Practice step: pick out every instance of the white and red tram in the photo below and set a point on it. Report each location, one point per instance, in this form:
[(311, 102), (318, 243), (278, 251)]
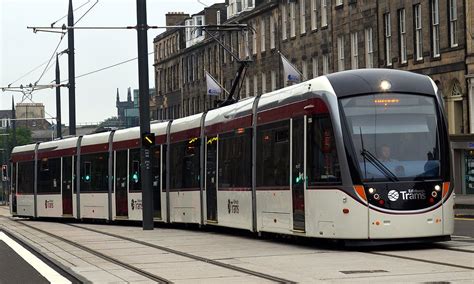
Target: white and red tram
[(354, 155)]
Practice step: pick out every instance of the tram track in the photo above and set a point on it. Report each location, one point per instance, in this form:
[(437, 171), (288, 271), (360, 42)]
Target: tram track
[(192, 256), (105, 257), (142, 272), (422, 260)]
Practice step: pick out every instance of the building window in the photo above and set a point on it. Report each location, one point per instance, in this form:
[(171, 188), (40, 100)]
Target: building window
[(354, 51), (435, 26), (324, 13), (262, 35), (272, 32), (255, 85), (199, 21), (339, 2), (369, 48), (388, 39), (218, 16), (292, 19), (248, 4), (264, 83), (284, 22), (302, 16), (273, 79), (314, 10), (315, 67), (325, 64), (254, 39), (403, 35), (453, 23), (247, 87), (418, 33), (340, 53), (245, 43), (304, 69)]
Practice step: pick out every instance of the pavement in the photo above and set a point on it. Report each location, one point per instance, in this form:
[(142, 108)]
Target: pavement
[(82, 248)]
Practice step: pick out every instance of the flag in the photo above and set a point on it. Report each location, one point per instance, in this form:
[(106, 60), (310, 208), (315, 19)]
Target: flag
[(292, 75), (213, 88)]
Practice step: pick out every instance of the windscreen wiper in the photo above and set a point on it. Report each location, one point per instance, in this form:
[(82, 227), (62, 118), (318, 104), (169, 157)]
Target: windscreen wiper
[(379, 165)]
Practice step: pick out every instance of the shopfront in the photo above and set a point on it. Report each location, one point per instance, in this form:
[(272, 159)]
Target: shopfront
[(462, 147)]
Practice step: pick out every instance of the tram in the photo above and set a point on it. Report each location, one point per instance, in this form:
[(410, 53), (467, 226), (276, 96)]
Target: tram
[(354, 155)]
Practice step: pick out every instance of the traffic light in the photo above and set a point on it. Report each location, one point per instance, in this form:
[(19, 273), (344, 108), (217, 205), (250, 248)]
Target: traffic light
[(148, 139), (4, 173), (87, 171)]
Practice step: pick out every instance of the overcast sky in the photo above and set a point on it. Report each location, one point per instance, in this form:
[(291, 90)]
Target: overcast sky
[(21, 51)]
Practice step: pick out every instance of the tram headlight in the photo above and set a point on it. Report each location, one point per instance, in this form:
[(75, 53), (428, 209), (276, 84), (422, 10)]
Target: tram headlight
[(437, 187), (434, 194), (385, 85), (376, 196), (371, 190)]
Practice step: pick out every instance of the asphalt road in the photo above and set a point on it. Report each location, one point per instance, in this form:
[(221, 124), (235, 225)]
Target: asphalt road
[(464, 227)]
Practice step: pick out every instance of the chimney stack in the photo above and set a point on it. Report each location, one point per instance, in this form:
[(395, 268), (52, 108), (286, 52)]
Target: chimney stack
[(175, 18)]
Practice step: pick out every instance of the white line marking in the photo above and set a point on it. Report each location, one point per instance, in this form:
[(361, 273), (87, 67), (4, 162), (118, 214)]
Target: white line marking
[(50, 274)]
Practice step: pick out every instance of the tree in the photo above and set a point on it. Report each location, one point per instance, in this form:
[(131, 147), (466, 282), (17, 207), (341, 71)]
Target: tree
[(111, 122), (23, 137)]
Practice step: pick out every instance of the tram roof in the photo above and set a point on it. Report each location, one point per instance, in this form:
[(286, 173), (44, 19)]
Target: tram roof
[(24, 148), (363, 81), (96, 138), (185, 123), (59, 144)]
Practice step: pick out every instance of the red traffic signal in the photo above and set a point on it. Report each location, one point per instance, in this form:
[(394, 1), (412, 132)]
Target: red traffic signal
[(4, 173)]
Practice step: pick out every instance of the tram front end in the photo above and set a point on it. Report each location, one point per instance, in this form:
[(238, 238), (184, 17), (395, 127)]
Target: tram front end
[(397, 147)]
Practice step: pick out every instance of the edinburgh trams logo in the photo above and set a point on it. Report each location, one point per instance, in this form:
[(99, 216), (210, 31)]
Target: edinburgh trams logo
[(136, 204), (48, 204), (233, 206), (393, 195), (409, 194)]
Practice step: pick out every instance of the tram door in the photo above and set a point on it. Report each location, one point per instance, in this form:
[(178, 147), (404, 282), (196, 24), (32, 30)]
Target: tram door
[(13, 187), (156, 156), (121, 166), (298, 178), (211, 192), (67, 169)]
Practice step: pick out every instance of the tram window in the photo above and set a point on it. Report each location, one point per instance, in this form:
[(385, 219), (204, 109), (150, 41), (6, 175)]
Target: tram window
[(235, 159), (134, 170), (322, 162), (26, 177), (49, 176), (273, 154), (94, 172), (185, 164)]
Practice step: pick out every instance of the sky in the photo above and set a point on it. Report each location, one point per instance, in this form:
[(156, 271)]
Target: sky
[(21, 51)]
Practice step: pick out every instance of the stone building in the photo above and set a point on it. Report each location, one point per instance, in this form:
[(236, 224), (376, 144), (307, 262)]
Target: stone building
[(31, 116), (428, 37), (432, 37)]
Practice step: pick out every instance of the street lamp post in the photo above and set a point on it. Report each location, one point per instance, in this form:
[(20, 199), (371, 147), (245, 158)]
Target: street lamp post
[(144, 108)]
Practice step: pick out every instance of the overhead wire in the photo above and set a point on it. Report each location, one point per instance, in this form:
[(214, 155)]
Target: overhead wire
[(48, 67)]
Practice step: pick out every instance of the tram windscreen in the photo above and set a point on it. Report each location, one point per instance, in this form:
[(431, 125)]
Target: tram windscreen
[(395, 136)]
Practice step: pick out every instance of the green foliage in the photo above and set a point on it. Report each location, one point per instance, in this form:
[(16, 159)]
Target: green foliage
[(111, 122), (23, 137)]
